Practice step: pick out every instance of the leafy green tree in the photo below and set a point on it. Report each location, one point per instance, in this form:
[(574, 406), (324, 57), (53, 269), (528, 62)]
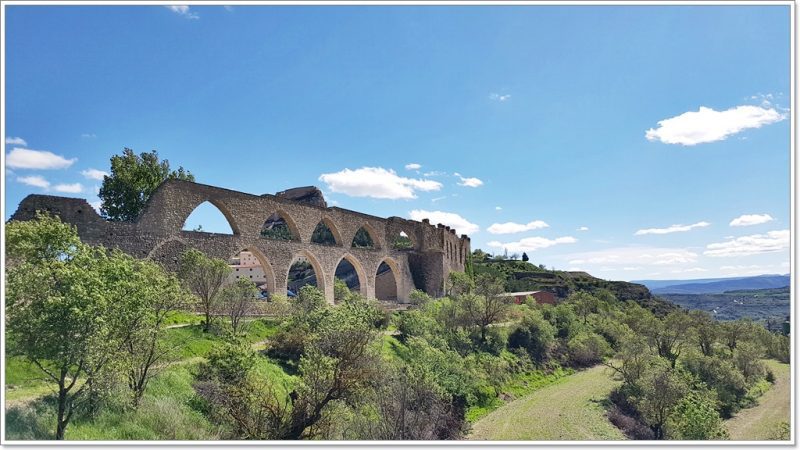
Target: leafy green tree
[(534, 334), (69, 307), (525, 257), (237, 301), (133, 180), (204, 277), (661, 390), (706, 330), (340, 290), (695, 418), (310, 299), (586, 349)]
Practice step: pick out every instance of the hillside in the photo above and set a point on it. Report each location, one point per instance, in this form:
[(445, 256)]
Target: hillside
[(524, 276), (758, 304), (715, 285)]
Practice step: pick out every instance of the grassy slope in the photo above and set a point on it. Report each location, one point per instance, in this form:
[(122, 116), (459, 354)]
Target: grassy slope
[(762, 422), (570, 409)]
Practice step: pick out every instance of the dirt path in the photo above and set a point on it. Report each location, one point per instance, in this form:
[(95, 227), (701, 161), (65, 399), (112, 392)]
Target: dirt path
[(570, 409), (762, 422)]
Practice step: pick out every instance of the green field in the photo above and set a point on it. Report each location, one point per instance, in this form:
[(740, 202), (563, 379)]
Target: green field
[(763, 422), (572, 408)]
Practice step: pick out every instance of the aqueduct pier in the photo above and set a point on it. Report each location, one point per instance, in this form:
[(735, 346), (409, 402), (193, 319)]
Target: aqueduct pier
[(157, 233)]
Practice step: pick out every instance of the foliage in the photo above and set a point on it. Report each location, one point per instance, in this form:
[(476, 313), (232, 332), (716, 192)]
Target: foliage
[(696, 418), (237, 301), (204, 277), (535, 335), (362, 239), (133, 179)]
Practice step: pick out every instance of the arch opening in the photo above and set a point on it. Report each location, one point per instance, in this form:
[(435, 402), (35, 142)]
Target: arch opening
[(347, 277), (363, 239), (278, 228), (324, 234), (386, 283), (402, 241), (303, 271), (209, 218), (252, 265)]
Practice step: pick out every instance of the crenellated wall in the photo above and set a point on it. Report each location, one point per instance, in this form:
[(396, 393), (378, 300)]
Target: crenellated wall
[(157, 234)]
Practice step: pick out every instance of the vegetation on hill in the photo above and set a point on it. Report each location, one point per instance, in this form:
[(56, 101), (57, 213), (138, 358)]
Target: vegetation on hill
[(84, 321), (757, 304)]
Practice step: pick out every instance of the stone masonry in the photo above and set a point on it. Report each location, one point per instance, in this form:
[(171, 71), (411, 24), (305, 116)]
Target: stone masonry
[(157, 234)]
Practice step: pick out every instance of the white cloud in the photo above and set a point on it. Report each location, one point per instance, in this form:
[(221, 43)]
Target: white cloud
[(228, 8), (413, 166), (23, 158), (453, 220), (182, 10), (73, 188), (376, 182), (689, 270), (35, 181), (434, 173), (708, 125), (531, 244), (512, 227), (16, 141), (750, 219), (498, 208), (634, 256), (89, 136), (583, 229), (671, 229), (750, 245), (499, 97), (94, 174), (468, 182), (434, 200)]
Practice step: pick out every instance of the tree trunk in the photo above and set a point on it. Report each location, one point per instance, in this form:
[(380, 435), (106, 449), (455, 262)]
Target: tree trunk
[(61, 423)]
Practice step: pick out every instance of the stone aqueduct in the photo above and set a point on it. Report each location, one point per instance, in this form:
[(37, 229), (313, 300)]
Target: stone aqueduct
[(158, 234)]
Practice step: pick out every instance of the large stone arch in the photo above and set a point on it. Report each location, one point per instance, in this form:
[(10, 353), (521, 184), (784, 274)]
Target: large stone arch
[(397, 274), (323, 284), (290, 222), (363, 281), (269, 272), (337, 235), (373, 234), (220, 205)]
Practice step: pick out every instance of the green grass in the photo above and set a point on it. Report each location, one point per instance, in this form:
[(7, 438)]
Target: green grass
[(767, 420), (191, 341), (519, 386), (181, 317), (571, 408)]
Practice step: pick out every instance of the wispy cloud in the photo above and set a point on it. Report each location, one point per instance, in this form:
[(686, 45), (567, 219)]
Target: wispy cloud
[(498, 208), (94, 174), (23, 158), (35, 181), (15, 141), (376, 182), (73, 188), (413, 166), (468, 181), (513, 227), (672, 229), (634, 256), (434, 200), (708, 125), (499, 97), (583, 229), (753, 244), (89, 136), (750, 219), (434, 173), (453, 220), (530, 244), (182, 10)]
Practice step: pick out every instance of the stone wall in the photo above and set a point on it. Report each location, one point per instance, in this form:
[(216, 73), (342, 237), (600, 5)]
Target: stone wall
[(157, 234)]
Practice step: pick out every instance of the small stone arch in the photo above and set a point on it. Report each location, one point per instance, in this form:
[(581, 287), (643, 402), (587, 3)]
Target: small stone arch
[(401, 234), (337, 236), (168, 252), (269, 272), (290, 223), (396, 274), (360, 272), (373, 235), (315, 264), (221, 207)]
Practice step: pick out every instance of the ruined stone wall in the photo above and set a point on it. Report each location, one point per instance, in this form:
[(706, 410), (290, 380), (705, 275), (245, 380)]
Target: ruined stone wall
[(157, 234)]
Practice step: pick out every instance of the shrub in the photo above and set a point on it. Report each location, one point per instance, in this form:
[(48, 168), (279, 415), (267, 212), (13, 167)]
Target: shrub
[(587, 349), (630, 426)]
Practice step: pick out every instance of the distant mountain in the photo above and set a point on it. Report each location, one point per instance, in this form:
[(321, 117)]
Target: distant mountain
[(715, 285), (757, 304)]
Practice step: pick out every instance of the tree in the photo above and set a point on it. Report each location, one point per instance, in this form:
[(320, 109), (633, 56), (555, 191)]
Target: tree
[(157, 293), (237, 301), (706, 331), (133, 180), (696, 418), (204, 277), (69, 307), (487, 305), (662, 388), (525, 257)]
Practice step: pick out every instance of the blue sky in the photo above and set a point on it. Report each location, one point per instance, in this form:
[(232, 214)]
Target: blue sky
[(632, 142)]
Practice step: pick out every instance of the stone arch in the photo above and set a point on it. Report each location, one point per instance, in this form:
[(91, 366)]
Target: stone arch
[(373, 235), (337, 236), (315, 264), (269, 272), (168, 252), (397, 239), (221, 207), (360, 272), (290, 223), (382, 286)]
